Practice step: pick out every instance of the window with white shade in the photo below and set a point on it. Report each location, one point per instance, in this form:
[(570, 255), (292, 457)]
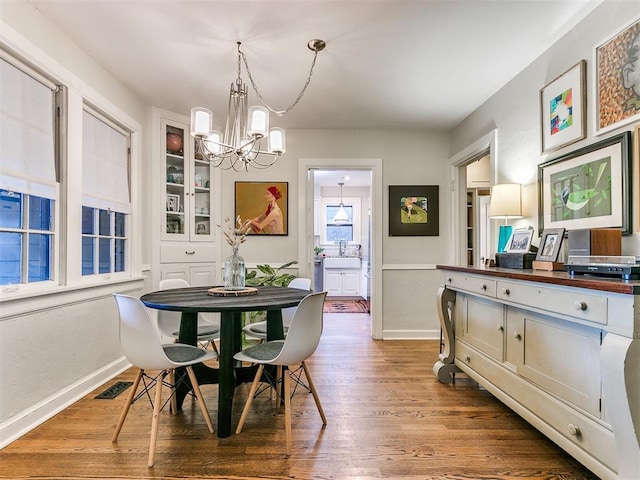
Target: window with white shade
[(106, 202), (29, 188)]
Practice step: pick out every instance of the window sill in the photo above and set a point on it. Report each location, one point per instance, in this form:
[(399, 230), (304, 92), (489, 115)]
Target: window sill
[(22, 302)]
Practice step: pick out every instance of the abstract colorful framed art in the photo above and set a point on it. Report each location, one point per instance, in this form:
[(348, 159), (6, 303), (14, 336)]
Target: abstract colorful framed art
[(563, 120)]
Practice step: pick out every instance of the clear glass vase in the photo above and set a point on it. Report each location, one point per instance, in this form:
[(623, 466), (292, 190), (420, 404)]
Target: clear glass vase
[(234, 272)]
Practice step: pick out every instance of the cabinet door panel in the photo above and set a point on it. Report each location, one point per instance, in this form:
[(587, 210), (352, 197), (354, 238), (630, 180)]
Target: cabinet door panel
[(564, 359), (484, 325)]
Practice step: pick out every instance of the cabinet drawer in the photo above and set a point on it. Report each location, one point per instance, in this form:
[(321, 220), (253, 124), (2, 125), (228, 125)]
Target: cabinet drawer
[(470, 283), (187, 253), (574, 303)]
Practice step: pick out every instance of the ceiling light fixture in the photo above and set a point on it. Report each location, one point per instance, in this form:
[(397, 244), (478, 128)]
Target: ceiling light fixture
[(341, 215), (240, 145)]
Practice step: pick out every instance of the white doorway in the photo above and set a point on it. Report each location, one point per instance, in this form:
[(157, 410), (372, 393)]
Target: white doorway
[(329, 171)]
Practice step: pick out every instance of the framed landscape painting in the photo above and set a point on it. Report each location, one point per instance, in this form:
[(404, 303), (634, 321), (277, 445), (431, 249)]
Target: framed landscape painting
[(563, 117), (413, 210), (587, 188)]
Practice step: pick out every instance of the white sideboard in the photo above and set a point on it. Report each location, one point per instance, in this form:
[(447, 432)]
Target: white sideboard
[(563, 352)]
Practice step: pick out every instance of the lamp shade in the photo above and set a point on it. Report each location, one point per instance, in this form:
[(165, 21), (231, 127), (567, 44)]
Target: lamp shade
[(506, 201)]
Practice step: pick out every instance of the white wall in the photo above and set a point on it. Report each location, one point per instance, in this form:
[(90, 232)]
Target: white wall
[(414, 157), (54, 348), (514, 110)]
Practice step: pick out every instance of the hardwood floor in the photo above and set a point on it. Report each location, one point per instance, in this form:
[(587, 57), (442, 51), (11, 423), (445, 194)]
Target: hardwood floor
[(387, 416)]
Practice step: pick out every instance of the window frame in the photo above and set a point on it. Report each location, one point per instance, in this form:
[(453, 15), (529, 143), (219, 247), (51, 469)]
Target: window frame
[(67, 284), (355, 203)]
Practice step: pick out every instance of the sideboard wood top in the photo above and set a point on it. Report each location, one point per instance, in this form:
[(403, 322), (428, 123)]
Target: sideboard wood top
[(614, 285)]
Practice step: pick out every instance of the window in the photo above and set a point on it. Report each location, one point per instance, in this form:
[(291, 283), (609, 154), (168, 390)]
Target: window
[(105, 200), (29, 190), (339, 231), (332, 233)]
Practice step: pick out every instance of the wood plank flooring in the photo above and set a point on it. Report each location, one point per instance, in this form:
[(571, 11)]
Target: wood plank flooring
[(387, 416)]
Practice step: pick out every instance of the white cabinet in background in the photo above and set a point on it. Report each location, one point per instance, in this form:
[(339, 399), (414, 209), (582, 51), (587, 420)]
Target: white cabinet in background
[(342, 282), (196, 274)]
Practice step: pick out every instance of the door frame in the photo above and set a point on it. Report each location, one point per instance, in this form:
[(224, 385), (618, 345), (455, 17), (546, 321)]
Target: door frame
[(305, 223), (457, 165)]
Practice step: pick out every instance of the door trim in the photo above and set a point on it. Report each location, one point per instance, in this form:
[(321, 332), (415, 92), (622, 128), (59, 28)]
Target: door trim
[(305, 223)]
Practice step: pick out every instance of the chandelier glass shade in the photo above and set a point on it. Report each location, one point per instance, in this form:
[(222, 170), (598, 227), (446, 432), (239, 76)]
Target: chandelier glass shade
[(341, 215), (247, 139)]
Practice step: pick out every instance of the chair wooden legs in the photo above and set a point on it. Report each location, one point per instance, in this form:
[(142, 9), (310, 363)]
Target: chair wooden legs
[(312, 387), (125, 410), (157, 406), (287, 400), (198, 394), (252, 392)]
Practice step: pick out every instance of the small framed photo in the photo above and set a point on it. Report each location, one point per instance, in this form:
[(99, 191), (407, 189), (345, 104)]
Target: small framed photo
[(173, 202), (563, 118), (202, 228), (520, 240), (550, 244)]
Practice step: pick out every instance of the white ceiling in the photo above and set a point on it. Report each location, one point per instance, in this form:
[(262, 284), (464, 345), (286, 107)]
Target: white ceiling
[(387, 64)]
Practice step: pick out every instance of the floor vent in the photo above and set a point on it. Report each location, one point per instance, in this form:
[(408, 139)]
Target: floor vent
[(114, 390)]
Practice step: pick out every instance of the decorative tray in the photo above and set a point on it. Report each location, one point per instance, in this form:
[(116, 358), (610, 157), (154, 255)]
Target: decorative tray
[(221, 292)]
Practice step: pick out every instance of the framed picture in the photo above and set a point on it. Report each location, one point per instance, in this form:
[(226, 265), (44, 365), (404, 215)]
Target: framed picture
[(265, 204), (617, 79), (587, 188), (173, 203), (202, 228), (520, 240), (636, 178), (563, 102), (550, 244), (413, 210)]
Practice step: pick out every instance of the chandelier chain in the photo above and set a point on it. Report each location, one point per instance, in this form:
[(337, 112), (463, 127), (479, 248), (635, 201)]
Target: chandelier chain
[(279, 113)]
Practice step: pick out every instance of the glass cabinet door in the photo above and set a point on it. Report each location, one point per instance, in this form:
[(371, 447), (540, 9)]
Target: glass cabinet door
[(188, 188), (176, 194)]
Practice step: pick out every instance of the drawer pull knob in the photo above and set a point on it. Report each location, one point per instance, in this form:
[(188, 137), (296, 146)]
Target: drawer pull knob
[(449, 280), (192, 252), (582, 306), (517, 336), (484, 287), (574, 429), (506, 291), (500, 328), (467, 358)]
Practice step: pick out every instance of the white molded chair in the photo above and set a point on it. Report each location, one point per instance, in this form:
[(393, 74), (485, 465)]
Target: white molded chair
[(140, 342), (258, 330), (301, 341), (169, 322)]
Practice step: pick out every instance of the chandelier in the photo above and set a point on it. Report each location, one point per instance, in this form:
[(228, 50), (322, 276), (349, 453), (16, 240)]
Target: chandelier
[(247, 128)]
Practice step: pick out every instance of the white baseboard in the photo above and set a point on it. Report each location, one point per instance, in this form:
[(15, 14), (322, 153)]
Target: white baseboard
[(20, 424), (411, 334)]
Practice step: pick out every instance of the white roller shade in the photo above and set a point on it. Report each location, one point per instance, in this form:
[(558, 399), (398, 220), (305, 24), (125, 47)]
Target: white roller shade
[(105, 165), (27, 160)]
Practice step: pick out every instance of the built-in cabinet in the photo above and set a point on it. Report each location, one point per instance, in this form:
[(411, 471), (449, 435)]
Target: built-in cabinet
[(188, 200), (340, 282), (559, 355)]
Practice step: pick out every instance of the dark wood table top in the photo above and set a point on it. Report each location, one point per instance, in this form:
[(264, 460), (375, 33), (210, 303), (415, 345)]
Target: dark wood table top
[(614, 285), (196, 299)]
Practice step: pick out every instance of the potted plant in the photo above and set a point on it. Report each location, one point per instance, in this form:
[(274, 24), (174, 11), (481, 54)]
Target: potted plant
[(271, 277)]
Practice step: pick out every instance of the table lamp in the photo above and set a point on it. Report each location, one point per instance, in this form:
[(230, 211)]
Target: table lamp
[(506, 202)]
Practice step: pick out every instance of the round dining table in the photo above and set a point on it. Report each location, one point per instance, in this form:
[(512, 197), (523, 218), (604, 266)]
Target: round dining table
[(230, 373)]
